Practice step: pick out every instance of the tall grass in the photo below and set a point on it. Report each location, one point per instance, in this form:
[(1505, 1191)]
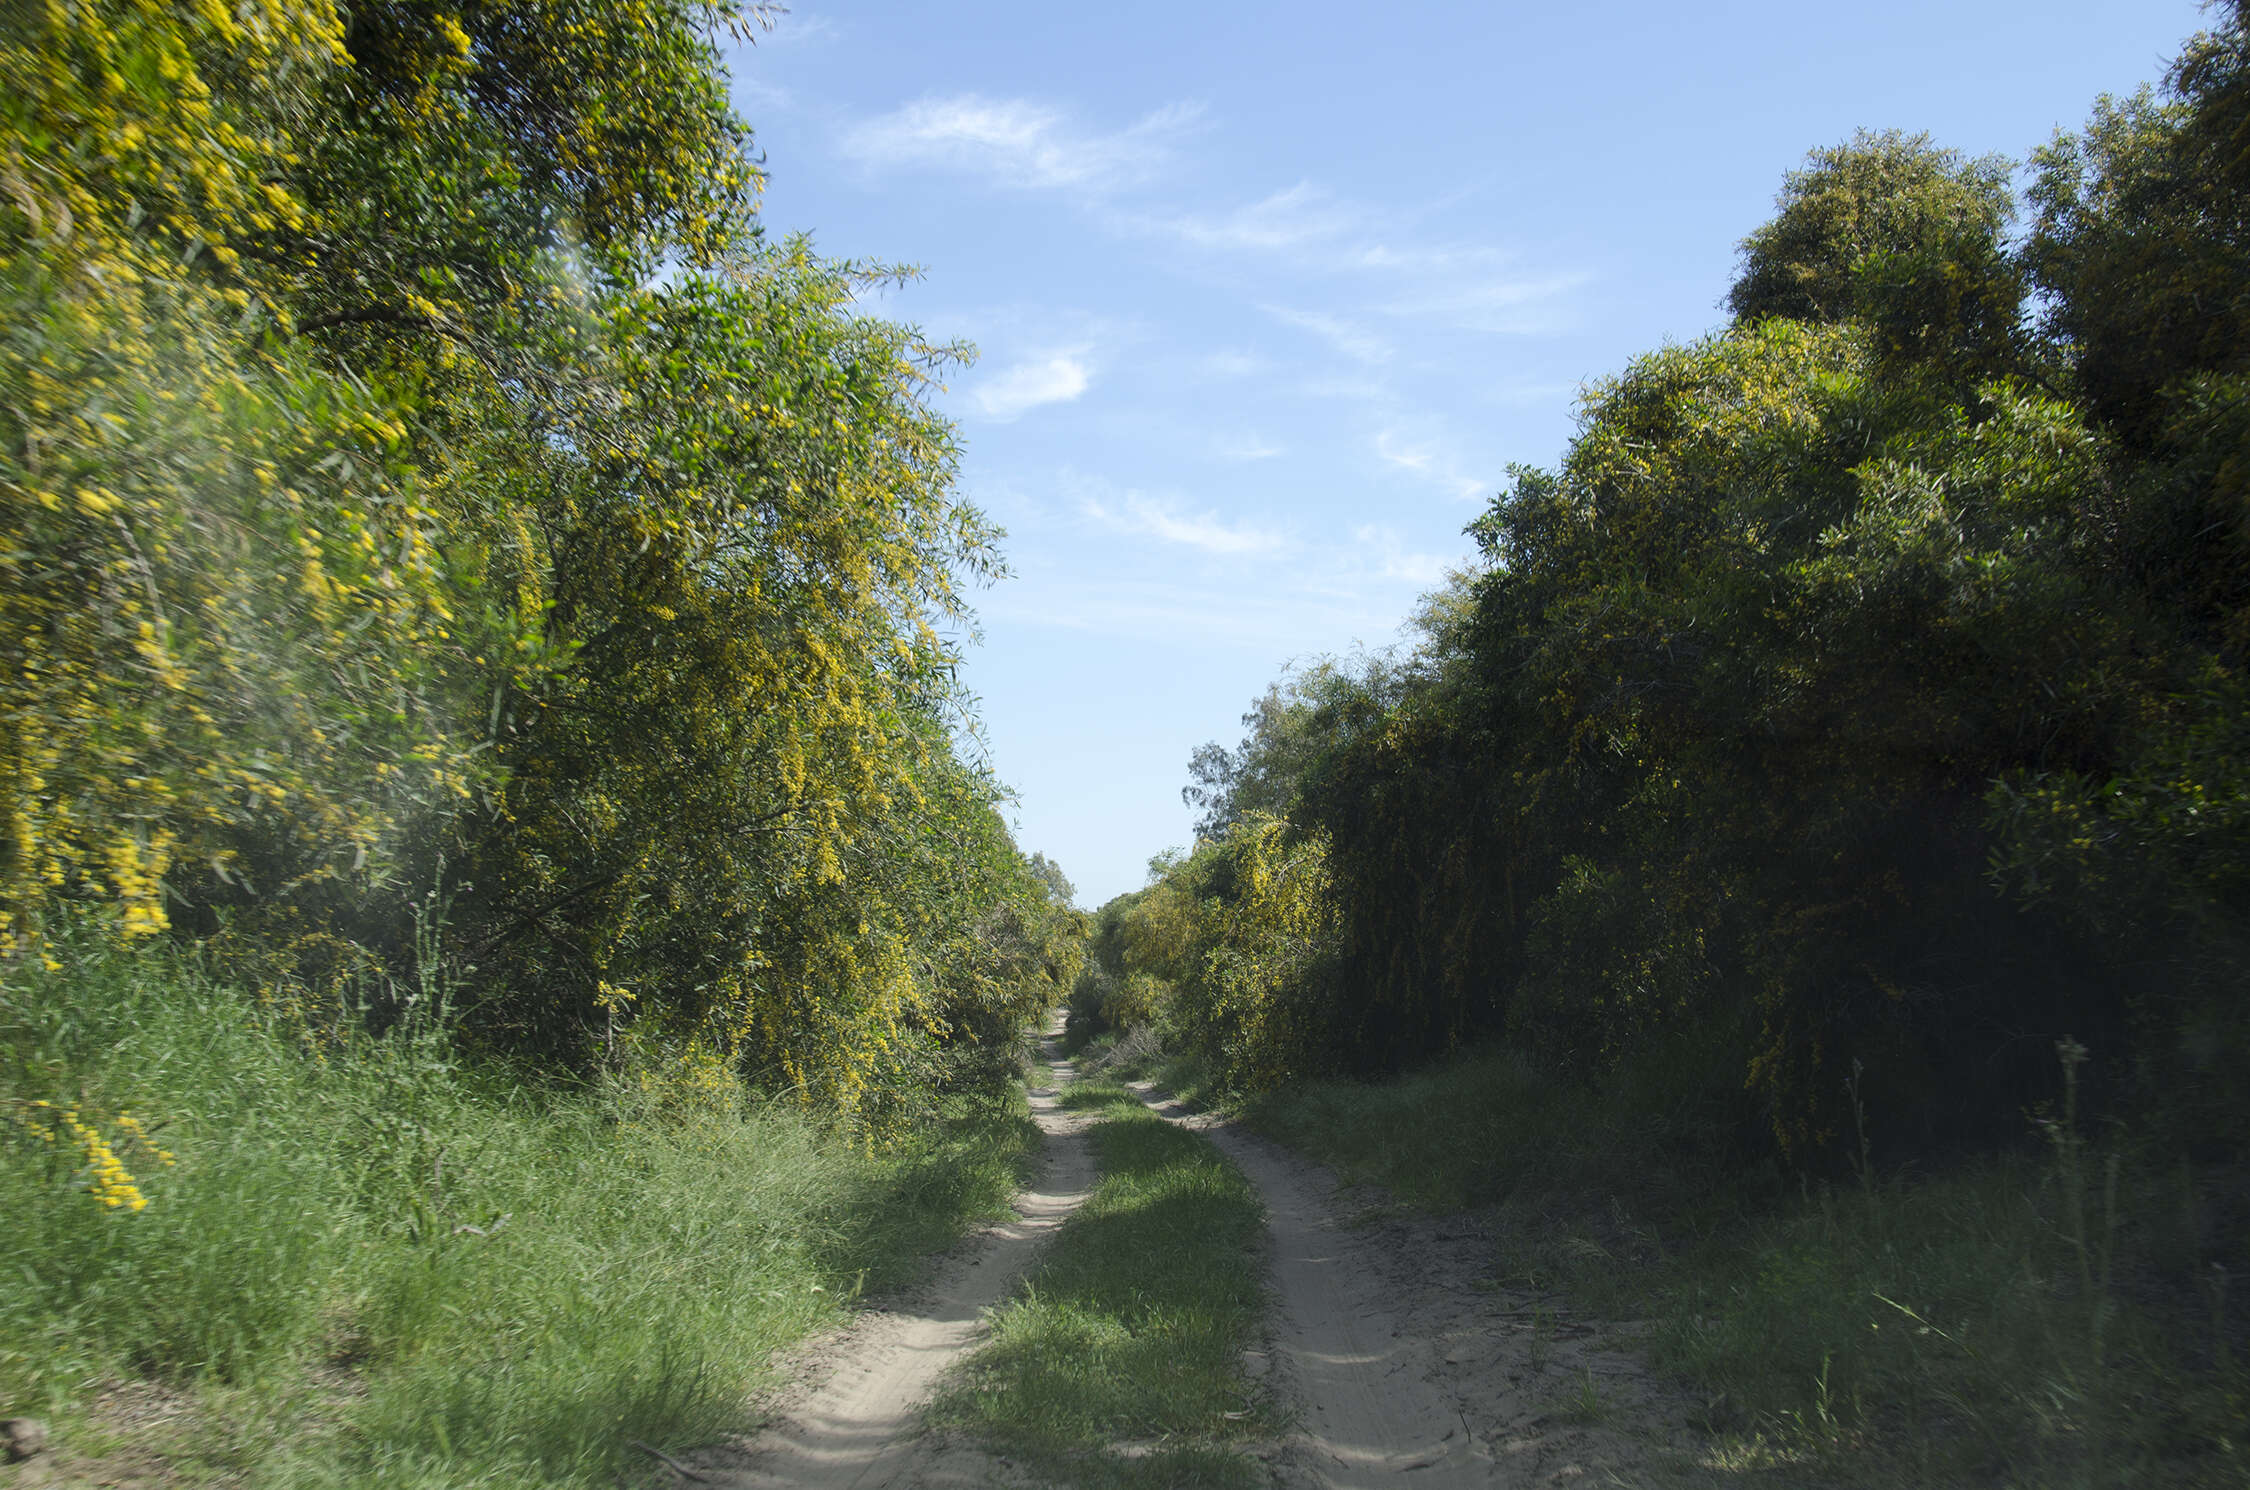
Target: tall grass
[(373, 1260), (2057, 1316)]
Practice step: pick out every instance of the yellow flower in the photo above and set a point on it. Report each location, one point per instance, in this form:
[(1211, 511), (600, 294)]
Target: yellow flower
[(105, 1176)]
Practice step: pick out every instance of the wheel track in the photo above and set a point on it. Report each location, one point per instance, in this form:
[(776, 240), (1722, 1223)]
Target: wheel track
[(1400, 1372), (1367, 1412), (858, 1428)]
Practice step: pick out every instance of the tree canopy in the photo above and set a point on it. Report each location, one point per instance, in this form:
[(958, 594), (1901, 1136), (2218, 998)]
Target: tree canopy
[(1859, 699), (441, 527)]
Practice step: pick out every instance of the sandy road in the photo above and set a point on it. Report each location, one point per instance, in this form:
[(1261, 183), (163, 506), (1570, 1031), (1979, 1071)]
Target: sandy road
[(857, 1427), (1368, 1411), (1407, 1366), (1401, 1363)]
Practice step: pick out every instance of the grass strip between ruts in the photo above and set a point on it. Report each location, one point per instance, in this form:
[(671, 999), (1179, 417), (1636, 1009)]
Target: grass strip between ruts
[(1120, 1363)]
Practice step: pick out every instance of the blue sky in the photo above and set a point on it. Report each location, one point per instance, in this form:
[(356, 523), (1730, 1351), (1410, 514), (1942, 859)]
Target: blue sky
[(1268, 297)]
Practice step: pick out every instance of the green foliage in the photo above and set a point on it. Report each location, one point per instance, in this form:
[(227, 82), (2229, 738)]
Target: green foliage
[(2138, 236), (1862, 693), (1223, 959), (1050, 874), (443, 548), (1261, 775), (1853, 717), (420, 475), (731, 804), (1931, 1330), (477, 135), (1895, 232), (225, 615), (507, 1283), (1261, 992)]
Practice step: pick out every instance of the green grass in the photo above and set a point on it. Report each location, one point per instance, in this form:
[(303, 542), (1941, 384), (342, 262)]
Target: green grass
[(1121, 1362), (1945, 1329), (374, 1264), (1143, 1056)]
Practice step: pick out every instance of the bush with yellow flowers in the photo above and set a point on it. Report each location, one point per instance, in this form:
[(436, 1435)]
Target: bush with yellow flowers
[(376, 523), (91, 1159)]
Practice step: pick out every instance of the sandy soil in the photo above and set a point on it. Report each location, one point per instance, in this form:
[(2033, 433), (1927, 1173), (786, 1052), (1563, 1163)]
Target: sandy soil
[(1401, 1362), (854, 1419), (1407, 1366)]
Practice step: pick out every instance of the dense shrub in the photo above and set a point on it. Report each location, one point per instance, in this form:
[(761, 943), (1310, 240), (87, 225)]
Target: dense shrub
[(1859, 701)]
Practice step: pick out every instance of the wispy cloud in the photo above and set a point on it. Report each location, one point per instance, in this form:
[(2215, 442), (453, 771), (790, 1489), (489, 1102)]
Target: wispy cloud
[(1014, 142), (1291, 588), (788, 28), (1206, 531), (1353, 340), (1347, 388), (1230, 364), (763, 97), (1295, 218), (1498, 304), (1390, 559), (1308, 230), (1056, 378), (1245, 448), (1430, 458), (1262, 622), (1525, 392)]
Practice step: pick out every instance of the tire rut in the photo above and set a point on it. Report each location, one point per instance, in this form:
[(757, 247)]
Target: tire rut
[(1407, 1367), (859, 1428), (1403, 1365)]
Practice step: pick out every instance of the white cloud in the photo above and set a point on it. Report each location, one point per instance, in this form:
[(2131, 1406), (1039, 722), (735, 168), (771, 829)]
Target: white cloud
[(1263, 622), (1017, 143), (1501, 306), (1527, 393), (1348, 389), (1302, 215), (1164, 520), (1054, 379), (1319, 232), (1245, 447), (1231, 364), (763, 97), (1395, 450), (1391, 559), (789, 28), (1428, 458), (1354, 341), (1309, 230)]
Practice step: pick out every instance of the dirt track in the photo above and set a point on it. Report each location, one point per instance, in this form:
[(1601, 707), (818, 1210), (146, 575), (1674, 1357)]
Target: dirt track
[(1400, 1362), (1408, 1367), (855, 1422)]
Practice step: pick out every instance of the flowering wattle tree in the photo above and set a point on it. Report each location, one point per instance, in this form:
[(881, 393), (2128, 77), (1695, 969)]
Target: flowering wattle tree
[(422, 486)]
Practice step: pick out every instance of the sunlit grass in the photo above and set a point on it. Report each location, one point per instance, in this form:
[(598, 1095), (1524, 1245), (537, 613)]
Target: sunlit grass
[(1120, 1364), (373, 1264)]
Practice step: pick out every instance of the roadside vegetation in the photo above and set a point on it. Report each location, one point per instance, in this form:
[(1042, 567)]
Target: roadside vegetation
[(378, 1260), (2043, 1316), (1121, 1363), (497, 923), (495, 927), (1801, 872)]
